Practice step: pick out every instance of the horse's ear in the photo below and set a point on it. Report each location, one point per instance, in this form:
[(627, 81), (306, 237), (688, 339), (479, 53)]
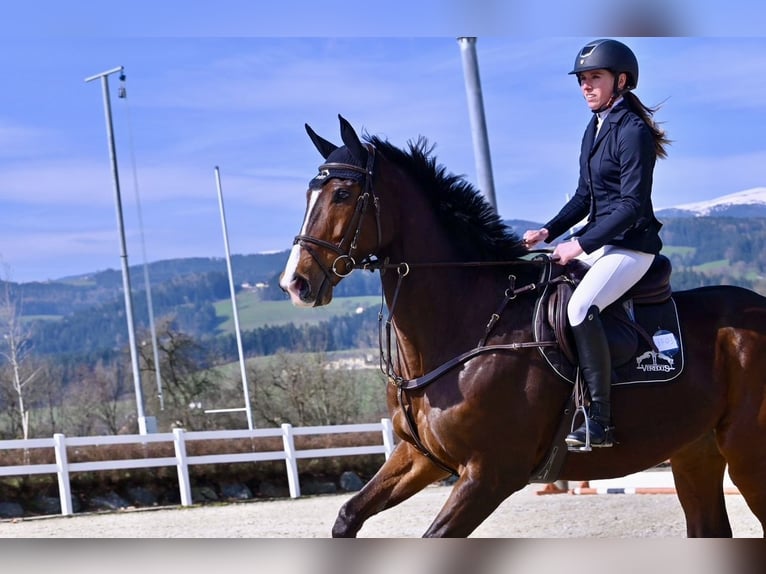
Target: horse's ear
[(352, 141), (325, 148)]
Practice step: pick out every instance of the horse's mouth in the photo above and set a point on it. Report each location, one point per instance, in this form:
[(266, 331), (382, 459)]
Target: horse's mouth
[(302, 295)]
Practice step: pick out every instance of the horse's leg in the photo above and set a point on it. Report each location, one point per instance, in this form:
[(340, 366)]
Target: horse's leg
[(406, 472), (473, 498), (698, 473), (750, 478), (742, 432)]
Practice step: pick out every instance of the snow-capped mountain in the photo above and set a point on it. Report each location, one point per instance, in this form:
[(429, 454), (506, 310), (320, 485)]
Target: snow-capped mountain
[(748, 203)]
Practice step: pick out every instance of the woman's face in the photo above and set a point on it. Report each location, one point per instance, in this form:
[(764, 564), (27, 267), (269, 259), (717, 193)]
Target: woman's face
[(597, 87)]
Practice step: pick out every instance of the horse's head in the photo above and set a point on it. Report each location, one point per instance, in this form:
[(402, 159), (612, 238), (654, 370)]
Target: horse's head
[(339, 228)]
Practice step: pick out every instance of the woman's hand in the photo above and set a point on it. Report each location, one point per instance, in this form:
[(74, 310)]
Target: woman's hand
[(566, 251), (532, 237)]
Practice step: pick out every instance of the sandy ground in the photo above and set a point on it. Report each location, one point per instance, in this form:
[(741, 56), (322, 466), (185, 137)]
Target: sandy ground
[(524, 515)]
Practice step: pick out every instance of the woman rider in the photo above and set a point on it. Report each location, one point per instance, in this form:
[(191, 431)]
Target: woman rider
[(621, 236)]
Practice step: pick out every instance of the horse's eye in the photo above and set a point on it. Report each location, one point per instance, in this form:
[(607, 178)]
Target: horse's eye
[(341, 194)]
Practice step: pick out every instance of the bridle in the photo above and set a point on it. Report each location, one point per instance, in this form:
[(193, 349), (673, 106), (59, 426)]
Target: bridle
[(346, 247)]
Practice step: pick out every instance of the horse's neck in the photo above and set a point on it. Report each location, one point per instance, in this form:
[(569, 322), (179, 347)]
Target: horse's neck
[(436, 314), (437, 311)]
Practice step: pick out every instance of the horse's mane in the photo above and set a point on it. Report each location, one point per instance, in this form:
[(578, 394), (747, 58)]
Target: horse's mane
[(478, 231)]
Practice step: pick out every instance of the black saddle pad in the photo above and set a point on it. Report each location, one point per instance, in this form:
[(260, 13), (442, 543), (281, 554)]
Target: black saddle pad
[(667, 361), (635, 359)]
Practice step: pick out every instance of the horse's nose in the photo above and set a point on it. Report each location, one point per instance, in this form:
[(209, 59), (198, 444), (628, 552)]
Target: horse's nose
[(298, 288)]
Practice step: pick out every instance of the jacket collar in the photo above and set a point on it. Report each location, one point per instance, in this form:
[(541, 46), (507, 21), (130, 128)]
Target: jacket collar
[(614, 116)]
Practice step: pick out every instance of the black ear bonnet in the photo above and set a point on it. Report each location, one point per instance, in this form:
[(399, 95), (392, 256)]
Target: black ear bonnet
[(342, 156)]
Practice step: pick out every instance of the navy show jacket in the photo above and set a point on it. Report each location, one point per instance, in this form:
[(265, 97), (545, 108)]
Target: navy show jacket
[(614, 188)]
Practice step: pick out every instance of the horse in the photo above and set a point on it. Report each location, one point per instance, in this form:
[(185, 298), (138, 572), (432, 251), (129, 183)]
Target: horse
[(470, 392)]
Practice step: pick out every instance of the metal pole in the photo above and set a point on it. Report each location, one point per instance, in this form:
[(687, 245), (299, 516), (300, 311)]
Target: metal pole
[(104, 76), (122, 94), (235, 314), (478, 122)]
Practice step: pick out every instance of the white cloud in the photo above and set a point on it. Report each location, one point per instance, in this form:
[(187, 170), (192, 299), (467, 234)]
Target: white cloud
[(19, 141), (57, 182)]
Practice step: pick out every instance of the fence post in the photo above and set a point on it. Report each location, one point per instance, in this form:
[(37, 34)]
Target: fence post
[(62, 464), (388, 436), (182, 465), (290, 461)]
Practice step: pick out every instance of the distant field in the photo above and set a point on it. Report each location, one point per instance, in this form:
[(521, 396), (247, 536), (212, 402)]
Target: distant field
[(30, 318), (254, 313), (367, 357), (669, 250), (713, 266)]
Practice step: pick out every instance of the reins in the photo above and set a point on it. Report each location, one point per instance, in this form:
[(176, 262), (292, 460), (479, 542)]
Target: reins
[(402, 384), (386, 356)]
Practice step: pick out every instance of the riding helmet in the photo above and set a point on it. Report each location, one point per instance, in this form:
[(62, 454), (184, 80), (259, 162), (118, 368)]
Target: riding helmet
[(608, 55)]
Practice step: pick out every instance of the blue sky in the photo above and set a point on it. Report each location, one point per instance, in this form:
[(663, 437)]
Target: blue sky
[(228, 87)]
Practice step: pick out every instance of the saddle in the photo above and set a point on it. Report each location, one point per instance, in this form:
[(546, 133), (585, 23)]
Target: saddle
[(652, 289)]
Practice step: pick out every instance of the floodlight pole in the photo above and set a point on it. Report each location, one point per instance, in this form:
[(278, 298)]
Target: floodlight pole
[(142, 419), (235, 313), (478, 121)]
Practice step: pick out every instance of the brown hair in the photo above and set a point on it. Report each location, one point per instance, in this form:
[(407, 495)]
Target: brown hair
[(661, 141)]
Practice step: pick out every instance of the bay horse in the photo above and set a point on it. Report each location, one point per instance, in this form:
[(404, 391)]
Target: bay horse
[(455, 278)]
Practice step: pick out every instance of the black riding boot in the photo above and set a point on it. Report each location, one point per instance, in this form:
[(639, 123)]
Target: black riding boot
[(596, 369)]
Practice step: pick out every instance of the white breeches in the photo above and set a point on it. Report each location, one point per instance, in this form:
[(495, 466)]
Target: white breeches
[(613, 271)]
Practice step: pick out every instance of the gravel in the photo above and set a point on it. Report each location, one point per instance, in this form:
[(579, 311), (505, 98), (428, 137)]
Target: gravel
[(524, 515)]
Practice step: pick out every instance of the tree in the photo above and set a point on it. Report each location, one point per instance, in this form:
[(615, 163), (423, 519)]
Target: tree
[(49, 389), (307, 390), (15, 347), (187, 380), (99, 399)]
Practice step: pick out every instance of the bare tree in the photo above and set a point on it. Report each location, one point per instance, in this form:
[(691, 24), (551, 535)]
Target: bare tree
[(98, 398), (187, 380), (10, 419), (306, 389), (15, 347), (49, 389)]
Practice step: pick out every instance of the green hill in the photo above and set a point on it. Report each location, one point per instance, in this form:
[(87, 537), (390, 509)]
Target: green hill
[(254, 313)]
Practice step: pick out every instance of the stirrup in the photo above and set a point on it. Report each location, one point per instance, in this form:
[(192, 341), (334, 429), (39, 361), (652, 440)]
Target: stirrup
[(571, 447), (587, 446)]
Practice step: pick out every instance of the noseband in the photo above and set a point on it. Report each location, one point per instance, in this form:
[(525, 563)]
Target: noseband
[(350, 237)]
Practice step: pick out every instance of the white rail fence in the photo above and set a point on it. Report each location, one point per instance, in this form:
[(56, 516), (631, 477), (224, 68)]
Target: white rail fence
[(180, 438)]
